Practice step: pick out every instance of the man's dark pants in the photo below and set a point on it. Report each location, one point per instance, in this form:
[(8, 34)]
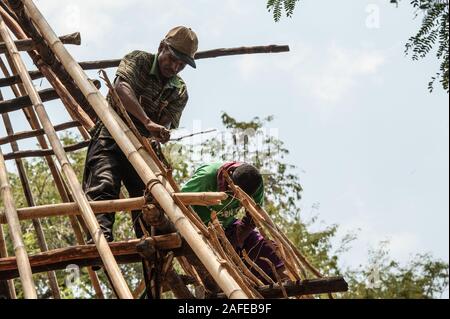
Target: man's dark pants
[(106, 167)]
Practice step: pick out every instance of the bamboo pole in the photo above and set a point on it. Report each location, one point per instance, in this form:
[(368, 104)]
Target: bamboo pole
[(28, 45), (80, 197), (98, 207), (60, 185), (23, 263), (4, 254), (105, 113)]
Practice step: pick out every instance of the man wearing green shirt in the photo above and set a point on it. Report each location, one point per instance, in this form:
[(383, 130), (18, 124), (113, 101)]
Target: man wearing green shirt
[(241, 233), (154, 96)]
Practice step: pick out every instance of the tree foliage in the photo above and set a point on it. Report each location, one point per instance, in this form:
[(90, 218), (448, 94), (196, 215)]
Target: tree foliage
[(433, 34)]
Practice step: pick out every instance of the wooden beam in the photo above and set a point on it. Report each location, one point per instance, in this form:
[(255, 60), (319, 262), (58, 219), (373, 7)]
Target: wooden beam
[(113, 63), (28, 45), (34, 133), (300, 288), (87, 255)]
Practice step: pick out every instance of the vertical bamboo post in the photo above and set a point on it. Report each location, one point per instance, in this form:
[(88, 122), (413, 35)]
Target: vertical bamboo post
[(88, 215), (3, 254), (23, 263), (105, 113)]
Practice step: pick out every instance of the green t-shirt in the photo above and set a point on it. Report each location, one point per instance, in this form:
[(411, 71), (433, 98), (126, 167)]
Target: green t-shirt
[(205, 180)]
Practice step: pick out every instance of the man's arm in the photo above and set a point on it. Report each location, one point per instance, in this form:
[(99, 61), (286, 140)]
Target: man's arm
[(132, 105)]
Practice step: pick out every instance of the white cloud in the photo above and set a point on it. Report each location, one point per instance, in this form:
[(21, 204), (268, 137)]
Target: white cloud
[(340, 72)]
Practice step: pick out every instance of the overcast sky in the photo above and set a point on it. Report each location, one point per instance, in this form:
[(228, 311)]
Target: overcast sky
[(369, 140)]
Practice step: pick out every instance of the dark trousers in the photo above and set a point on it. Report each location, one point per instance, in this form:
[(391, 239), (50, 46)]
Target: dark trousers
[(106, 167)]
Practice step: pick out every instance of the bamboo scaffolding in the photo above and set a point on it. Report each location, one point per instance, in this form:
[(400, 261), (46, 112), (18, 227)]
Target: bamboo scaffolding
[(28, 45), (30, 201), (87, 255), (60, 185), (103, 64), (34, 123), (23, 263), (34, 133), (80, 198), (46, 60)]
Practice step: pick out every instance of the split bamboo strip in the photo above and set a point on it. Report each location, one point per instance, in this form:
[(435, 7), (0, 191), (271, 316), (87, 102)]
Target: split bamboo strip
[(34, 133), (4, 254), (80, 197), (30, 201), (257, 268), (229, 264), (275, 273), (23, 262), (28, 45), (230, 250)]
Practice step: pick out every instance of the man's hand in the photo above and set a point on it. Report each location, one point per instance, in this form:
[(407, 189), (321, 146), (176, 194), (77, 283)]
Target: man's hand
[(158, 131)]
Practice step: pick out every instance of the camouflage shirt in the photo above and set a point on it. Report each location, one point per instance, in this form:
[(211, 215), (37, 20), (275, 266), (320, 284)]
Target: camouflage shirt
[(140, 70)]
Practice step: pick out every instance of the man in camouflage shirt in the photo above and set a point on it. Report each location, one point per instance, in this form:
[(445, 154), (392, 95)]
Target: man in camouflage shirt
[(154, 97)]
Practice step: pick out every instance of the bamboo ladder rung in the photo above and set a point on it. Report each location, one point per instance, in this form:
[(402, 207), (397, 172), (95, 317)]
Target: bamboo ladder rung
[(28, 45), (34, 133)]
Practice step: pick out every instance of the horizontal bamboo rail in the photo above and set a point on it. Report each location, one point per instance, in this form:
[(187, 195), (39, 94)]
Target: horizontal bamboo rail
[(104, 64), (87, 255), (34, 133), (28, 45), (108, 206), (113, 270)]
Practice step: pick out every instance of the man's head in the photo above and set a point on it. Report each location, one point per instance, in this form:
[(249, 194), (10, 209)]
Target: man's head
[(176, 50), (248, 178)]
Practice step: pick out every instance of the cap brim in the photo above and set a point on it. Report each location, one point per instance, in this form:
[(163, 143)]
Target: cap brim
[(183, 57)]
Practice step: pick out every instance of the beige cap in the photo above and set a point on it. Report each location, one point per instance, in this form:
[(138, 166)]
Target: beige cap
[(184, 44)]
